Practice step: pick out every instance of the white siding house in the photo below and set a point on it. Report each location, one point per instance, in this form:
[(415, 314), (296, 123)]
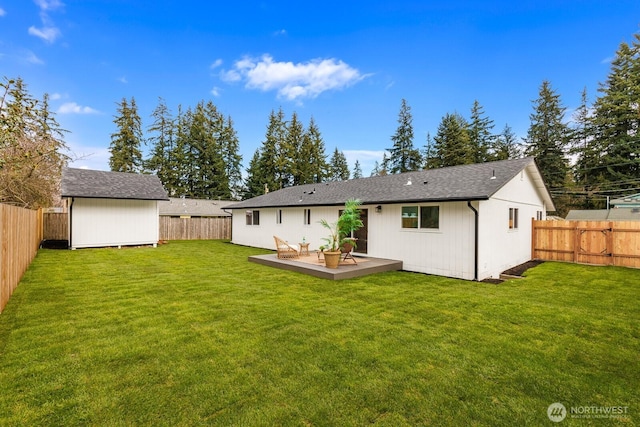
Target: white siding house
[(111, 208), (470, 222)]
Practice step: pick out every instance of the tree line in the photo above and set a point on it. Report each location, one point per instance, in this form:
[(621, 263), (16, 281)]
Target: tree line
[(32, 148), (196, 152)]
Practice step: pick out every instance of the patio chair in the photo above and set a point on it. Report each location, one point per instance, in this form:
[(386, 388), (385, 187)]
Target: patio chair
[(347, 250), (286, 250)]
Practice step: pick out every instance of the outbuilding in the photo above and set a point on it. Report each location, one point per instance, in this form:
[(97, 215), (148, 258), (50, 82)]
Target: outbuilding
[(470, 222), (111, 208)]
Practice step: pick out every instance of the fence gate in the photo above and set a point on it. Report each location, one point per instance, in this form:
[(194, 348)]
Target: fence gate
[(594, 245)]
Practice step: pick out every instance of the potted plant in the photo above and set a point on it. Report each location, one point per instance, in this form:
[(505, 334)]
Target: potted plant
[(340, 232)]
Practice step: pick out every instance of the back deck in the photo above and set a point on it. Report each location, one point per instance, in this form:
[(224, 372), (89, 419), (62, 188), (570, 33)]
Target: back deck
[(312, 266)]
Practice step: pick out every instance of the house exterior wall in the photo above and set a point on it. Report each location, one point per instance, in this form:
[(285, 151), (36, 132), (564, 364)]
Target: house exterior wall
[(113, 222), (292, 229), (500, 247), (447, 251)]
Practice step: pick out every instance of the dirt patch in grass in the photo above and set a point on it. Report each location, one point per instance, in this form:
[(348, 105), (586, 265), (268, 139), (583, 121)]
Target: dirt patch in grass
[(493, 281), (518, 270)]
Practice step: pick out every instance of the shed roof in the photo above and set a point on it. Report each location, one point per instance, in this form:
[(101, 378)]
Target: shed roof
[(587, 215), (111, 185), (466, 182), (194, 207), (618, 214)]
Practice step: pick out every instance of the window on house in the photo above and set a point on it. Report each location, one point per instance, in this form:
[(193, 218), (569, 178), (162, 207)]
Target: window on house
[(409, 217), (307, 217), (513, 218), (429, 217), (420, 217), (253, 217), (279, 216)]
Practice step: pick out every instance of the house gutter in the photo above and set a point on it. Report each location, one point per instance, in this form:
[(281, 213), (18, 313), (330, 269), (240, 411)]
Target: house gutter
[(70, 221), (475, 243)]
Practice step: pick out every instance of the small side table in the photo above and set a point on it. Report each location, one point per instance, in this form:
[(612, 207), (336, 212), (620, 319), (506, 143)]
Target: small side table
[(304, 248)]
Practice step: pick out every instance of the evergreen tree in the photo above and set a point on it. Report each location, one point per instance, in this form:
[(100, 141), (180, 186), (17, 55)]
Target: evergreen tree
[(616, 122), (180, 155), (126, 141), (588, 169), (506, 145), (338, 167), (206, 134), (31, 148), (452, 145), (161, 140), (294, 167), (375, 171), (232, 159), (548, 136), (314, 152), (271, 164), (255, 182), (357, 170), (480, 134), (403, 156), (430, 156)]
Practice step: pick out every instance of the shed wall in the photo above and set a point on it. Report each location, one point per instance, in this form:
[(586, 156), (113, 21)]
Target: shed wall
[(113, 222)]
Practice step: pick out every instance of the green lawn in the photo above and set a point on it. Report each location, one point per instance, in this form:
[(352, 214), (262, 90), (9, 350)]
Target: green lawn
[(191, 333)]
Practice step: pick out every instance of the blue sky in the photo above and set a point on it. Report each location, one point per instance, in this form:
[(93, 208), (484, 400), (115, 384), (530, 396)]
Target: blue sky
[(347, 64)]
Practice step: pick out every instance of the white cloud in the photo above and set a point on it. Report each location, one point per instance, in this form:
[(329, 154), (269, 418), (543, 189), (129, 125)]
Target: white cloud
[(55, 96), (281, 32), (123, 80), (31, 58), (73, 108), (293, 81), (215, 64), (215, 91), (2, 12), (48, 32), (48, 4)]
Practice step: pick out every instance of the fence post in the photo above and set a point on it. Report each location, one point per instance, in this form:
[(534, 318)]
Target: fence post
[(612, 260), (533, 238)]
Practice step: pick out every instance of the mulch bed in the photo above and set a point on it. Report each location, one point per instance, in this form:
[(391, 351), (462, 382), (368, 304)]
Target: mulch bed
[(519, 269)]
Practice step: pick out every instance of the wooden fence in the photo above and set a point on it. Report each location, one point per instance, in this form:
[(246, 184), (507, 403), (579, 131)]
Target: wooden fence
[(21, 232), (587, 242), (198, 228), (171, 228), (55, 226)]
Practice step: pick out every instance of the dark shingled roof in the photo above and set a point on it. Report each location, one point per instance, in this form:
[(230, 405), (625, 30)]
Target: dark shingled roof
[(194, 207), (111, 185), (467, 182)]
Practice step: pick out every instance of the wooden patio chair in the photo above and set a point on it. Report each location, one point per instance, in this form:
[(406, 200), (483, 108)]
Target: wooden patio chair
[(347, 251), (286, 250)]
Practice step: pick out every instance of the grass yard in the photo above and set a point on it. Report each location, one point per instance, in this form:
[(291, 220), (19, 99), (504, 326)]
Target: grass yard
[(191, 333)]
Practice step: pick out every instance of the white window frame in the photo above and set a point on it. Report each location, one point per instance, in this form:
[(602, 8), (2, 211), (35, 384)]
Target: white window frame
[(513, 218), (408, 217), (252, 217)]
